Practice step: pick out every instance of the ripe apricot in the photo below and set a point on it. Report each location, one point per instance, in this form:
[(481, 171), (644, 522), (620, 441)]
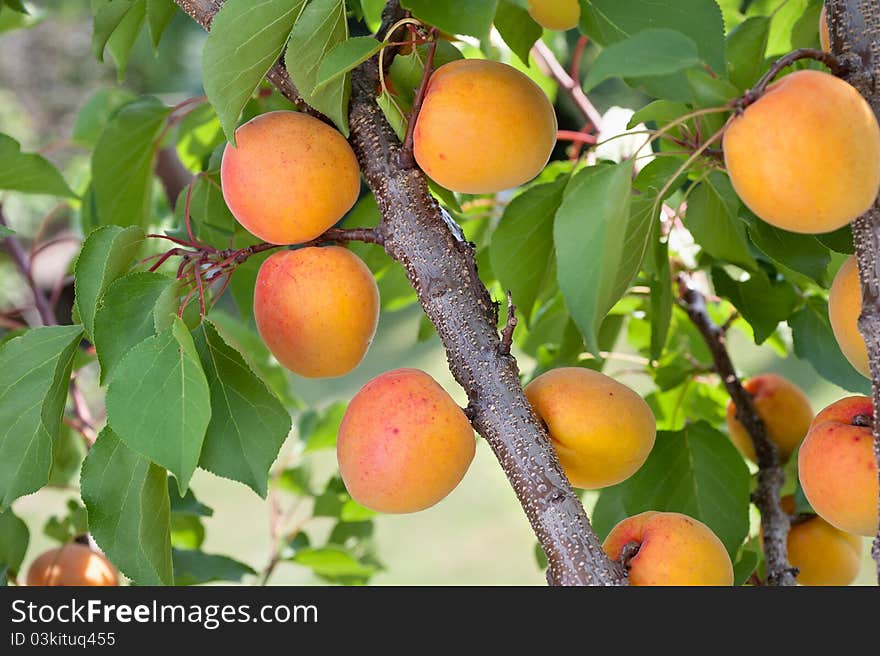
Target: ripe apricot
[(316, 309), (824, 35), (673, 549), (555, 14), (289, 177), (785, 410), (805, 156), (70, 565), (403, 443), (601, 430), (484, 127), (844, 308), (837, 468)]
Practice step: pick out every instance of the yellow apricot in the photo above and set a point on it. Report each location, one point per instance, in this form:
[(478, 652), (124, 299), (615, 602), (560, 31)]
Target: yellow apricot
[(316, 309), (837, 468), (673, 549), (844, 308), (71, 565), (403, 443), (484, 127), (601, 430), (805, 156), (824, 36), (783, 407), (823, 554), (555, 14), (289, 177)]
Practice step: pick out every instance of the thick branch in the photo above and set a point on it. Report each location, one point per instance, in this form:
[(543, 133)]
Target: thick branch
[(774, 521), (854, 27), (441, 266)]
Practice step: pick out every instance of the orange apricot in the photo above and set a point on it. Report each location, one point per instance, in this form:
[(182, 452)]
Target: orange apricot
[(71, 565), (555, 14), (844, 308)]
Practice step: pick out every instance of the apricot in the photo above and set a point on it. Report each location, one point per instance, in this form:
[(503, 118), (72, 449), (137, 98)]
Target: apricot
[(783, 407), (823, 554), (289, 177), (805, 156), (555, 14), (824, 35), (844, 308), (71, 565), (316, 309), (673, 549), (601, 430), (837, 468), (484, 127), (403, 443)]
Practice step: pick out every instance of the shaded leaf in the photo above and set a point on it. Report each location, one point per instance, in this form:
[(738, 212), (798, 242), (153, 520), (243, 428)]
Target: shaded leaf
[(28, 172)]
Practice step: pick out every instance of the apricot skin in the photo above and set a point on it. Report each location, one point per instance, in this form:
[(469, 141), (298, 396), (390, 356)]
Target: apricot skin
[(823, 554), (844, 308), (837, 469), (71, 565), (484, 127), (555, 14), (403, 443), (289, 178), (674, 549), (601, 430), (316, 309), (785, 410), (804, 165)]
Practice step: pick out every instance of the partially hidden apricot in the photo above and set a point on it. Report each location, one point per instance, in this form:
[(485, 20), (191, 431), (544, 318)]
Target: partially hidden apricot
[(844, 308), (403, 443), (484, 127), (805, 156), (673, 549), (316, 309), (71, 565), (601, 430), (837, 468), (783, 407), (289, 177), (555, 14)]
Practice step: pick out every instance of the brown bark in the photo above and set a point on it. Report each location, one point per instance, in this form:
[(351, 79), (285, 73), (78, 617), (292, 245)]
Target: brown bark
[(854, 27), (441, 266)]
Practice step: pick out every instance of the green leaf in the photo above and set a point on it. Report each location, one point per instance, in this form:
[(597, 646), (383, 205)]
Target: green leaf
[(67, 455), (123, 159), (248, 422), (744, 48), (801, 253), (16, 5), (126, 315), (318, 30), (814, 342), (609, 511), (96, 112), (648, 53), (67, 528), (6, 232), (744, 566), (121, 42), (698, 472), (319, 430), (14, 537), (333, 562), (187, 504), (473, 17), (159, 14), (840, 241), (29, 173), (107, 254), (193, 567), (159, 403), (522, 246), (344, 57), (109, 15), (609, 21), (761, 302), (34, 377), (246, 39), (126, 497), (591, 233), (517, 28), (712, 218), (187, 531)]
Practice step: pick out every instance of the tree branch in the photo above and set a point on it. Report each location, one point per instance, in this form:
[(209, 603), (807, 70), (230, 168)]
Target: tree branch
[(774, 521), (19, 256), (546, 60), (441, 266), (854, 27)]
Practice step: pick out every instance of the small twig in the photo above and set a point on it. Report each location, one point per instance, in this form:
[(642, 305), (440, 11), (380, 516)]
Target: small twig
[(407, 160), (574, 70), (509, 327), (629, 551), (725, 327), (17, 252), (774, 521), (837, 66), (547, 61), (83, 421)]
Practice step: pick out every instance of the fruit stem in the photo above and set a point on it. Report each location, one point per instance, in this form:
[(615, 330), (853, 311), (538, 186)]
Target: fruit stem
[(629, 551)]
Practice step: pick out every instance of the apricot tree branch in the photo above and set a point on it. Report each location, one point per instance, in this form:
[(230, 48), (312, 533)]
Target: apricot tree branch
[(774, 520), (854, 27), (441, 266)]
